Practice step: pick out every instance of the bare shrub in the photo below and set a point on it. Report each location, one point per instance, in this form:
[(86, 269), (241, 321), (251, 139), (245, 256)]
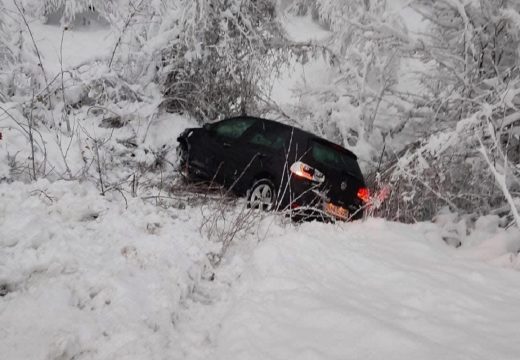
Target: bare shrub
[(466, 169), (226, 220)]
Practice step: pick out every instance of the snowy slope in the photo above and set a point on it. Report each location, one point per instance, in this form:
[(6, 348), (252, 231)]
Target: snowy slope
[(83, 276), (372, 290), (86, 277)]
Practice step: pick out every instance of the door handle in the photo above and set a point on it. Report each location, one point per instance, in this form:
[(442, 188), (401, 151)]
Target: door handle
[(226, 145)]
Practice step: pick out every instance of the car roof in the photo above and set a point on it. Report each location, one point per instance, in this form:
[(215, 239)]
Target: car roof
[(300, 131)]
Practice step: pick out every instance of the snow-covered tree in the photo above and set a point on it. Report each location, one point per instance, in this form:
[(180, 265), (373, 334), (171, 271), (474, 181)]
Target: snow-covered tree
[(19, 72), (473, 46), (223, 51), (473, 108), (79, 11), (7, 57), (211, 57), (364, 56)]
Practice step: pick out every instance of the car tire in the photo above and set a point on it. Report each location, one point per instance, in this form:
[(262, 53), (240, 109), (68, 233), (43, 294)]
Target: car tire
[(262, 195)]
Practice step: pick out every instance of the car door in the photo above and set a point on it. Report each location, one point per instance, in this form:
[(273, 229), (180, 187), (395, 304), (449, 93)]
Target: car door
[(262, 154), (224, 148)]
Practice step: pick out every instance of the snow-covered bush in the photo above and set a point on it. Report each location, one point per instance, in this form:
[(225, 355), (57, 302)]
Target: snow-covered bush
[(19, 73), (77, 12), (472, 168), (223, 54), (440, 171), (7, 57), (474, 50), (470, 97), (211, 57), (355, 103)]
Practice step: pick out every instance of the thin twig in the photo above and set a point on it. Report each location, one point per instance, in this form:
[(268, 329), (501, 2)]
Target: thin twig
[(36, 49), (64, 112), (127, 23)]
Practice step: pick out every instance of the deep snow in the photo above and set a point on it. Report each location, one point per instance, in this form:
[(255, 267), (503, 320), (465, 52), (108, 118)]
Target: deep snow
[(86, 277), (369, 290)]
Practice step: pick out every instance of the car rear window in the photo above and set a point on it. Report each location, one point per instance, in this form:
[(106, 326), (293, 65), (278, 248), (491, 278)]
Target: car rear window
[(334, 157)]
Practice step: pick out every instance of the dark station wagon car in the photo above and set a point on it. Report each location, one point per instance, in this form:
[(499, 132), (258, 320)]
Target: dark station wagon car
[(275, 166)]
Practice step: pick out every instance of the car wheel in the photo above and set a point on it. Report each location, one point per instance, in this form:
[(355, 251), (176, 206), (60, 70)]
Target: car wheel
[(262, 195)]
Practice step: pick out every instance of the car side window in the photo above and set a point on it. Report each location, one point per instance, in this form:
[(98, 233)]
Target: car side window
[(234, 128), (272, 138), (272, 141)]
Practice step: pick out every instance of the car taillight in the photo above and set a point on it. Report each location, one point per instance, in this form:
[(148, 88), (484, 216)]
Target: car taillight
[(307, 172), (295, 205), (364, 194)]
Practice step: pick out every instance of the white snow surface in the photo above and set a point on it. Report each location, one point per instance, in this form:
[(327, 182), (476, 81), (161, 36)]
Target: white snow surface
[(303, 28), (79, 45), (88, 277), (373, 290)]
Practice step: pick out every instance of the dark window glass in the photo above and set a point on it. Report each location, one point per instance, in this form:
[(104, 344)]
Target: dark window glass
[(271, 138), (335, 158), (234, 128)]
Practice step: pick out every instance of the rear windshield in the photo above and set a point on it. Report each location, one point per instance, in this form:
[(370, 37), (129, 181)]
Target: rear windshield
[(332, 156)]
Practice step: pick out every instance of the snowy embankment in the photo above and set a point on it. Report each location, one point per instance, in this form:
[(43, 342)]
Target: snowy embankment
[(84, 276), (373, 290)]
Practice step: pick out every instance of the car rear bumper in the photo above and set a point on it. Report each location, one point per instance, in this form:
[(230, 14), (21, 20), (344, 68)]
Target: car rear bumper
[(308, 199)]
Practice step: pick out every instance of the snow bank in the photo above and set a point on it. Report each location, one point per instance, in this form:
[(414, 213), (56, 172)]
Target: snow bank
[(374, 290), (89, 277), (82, 276)]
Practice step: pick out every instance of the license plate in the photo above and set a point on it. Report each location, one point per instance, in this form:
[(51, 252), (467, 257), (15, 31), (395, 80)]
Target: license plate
[(337, 211)]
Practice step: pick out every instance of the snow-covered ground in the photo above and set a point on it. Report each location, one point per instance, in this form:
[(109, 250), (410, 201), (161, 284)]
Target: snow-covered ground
[(84, 276), (79, 45), (373, 290)]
